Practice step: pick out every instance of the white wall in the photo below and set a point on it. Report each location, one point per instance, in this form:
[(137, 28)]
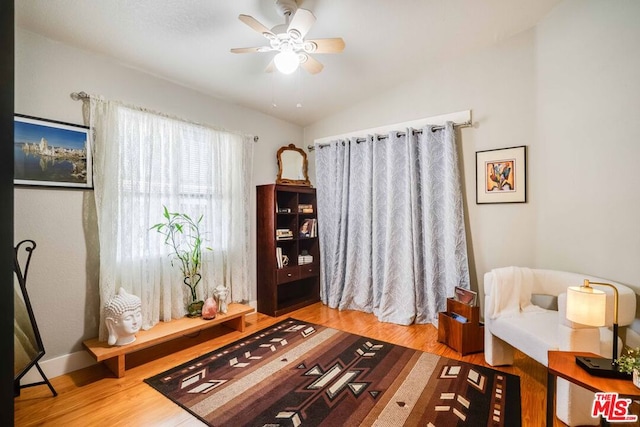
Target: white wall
[(588, 104), (63, 281), (568, 90)]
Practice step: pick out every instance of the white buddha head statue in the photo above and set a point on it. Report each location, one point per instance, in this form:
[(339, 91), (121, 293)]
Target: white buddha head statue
[(123, 316)]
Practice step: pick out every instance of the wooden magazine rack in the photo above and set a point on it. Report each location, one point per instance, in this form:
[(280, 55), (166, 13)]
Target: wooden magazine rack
[(465, 337)]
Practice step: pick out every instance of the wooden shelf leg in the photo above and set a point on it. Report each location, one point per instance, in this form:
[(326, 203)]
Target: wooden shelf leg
[(237, 323), (116, 365)]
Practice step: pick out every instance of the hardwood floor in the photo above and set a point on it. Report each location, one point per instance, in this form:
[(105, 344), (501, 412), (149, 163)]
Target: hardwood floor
[(93, 396)]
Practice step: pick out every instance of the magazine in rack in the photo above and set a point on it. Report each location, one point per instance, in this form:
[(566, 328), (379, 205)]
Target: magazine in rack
[(465, 296)]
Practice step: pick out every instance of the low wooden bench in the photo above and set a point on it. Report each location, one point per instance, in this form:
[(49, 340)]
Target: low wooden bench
[(114, 356)]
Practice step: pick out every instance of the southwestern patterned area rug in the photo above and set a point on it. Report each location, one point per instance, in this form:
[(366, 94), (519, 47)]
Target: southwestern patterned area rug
[(297, 373)]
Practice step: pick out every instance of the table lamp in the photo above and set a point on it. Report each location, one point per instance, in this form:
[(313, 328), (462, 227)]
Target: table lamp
[(588, 305)]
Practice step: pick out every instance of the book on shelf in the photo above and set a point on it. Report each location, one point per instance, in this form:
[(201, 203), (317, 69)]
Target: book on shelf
[(305, 259), (308, 228), (305, 208), (281, 259), (284, 234)]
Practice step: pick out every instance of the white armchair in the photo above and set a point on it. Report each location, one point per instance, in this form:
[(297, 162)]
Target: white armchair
[(525, 310)]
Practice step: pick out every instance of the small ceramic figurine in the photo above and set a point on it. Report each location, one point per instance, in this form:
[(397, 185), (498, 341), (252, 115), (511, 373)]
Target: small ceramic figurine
[(221, 293), (123, 316)]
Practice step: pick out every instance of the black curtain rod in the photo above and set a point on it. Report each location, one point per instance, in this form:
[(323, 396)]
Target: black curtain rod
[(381, 137)]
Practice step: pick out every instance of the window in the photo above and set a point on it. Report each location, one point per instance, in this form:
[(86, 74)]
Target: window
[(145, 161)]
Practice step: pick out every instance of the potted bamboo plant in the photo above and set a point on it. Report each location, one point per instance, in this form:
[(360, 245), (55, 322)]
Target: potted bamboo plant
[(183, 234)]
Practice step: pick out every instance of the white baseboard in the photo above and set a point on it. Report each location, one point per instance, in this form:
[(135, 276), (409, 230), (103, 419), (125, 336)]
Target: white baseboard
[(59, 366)]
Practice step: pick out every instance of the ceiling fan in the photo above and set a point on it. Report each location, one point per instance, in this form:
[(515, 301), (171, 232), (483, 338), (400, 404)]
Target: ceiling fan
[(288, 40)]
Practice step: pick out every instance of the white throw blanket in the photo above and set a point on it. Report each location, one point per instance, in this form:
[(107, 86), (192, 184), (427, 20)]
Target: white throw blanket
[(511, 293)]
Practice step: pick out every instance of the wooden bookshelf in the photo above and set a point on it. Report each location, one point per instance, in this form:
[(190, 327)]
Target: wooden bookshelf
[(282, 289)]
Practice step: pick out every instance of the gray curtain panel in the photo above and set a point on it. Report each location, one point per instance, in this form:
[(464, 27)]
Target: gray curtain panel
[(391, 221)]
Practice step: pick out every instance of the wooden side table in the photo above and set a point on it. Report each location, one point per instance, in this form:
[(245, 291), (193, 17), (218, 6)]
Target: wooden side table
[(562, 364)]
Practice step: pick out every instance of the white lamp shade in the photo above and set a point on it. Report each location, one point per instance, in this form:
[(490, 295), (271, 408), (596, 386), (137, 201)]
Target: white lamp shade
[(586, 305), (286, 62)]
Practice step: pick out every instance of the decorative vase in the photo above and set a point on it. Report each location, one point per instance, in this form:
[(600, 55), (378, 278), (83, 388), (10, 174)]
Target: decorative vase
[(636, 378), (195, 309)]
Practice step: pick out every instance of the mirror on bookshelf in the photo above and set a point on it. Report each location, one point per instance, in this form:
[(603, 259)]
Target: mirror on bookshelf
[(292, 166)]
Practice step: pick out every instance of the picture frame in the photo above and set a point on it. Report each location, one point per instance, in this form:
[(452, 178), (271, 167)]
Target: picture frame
[(50, 153), (501, 175)]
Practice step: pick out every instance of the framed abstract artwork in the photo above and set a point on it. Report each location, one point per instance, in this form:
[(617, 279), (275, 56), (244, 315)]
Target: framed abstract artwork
[(51, 153), (501, 175)]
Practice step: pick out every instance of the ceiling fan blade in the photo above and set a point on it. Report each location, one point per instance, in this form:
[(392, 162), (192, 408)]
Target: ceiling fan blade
[(271, 67), (257, 26), (312, 65), (301, 23), (249, 49), (335, 45)]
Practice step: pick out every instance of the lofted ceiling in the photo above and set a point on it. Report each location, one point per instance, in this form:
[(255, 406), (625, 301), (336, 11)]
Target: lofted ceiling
[(188, 42)]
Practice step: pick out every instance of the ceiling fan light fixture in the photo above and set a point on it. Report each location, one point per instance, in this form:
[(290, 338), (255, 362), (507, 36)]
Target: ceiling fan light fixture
[(287, 62), (294, 34), (288, 42)]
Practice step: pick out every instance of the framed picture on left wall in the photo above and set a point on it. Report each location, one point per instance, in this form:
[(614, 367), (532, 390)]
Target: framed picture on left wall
[(51, 153)]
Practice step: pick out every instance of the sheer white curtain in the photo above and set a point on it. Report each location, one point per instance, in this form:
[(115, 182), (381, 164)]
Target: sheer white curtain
[(144, 160), (391, 220)]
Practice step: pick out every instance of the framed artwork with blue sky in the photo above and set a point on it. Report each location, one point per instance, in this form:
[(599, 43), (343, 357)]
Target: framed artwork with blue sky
[(51, 153)]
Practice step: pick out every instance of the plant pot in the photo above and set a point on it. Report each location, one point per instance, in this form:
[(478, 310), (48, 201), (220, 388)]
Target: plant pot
[(636, 378), (195, 309)]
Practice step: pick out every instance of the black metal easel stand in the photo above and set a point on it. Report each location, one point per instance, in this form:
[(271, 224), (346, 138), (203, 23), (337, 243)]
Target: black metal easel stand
[(28, 246), (17, 386)]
